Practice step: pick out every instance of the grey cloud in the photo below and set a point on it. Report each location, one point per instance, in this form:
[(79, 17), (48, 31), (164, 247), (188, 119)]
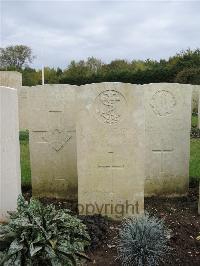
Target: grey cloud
[(60, 31)]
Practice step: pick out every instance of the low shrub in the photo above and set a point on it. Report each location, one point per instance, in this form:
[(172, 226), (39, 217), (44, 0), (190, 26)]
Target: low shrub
[(42, 235), (143, 240)]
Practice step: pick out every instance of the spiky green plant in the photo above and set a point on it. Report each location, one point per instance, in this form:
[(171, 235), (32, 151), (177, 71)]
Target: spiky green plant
[(143, 240), (42, 235)]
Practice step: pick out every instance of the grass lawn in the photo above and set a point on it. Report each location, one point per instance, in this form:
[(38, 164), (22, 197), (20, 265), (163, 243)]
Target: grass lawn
[(25, 158), (195, 159), (194, 120), (194, 153)]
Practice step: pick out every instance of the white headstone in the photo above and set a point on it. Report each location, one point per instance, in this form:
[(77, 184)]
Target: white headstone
[(168, 124), (110, 149), (195, 97), (11, 79), (23, 107), (52, 139), (10, 177)]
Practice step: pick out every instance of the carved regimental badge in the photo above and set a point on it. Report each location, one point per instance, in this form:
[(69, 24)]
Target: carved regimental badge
[(163, 103), (109, 106)]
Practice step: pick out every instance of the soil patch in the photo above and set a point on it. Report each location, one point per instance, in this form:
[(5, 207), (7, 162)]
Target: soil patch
[(180, 215)]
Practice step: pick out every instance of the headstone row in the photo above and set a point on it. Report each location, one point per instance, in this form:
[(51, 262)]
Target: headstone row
[(110, 142), (105, 139)]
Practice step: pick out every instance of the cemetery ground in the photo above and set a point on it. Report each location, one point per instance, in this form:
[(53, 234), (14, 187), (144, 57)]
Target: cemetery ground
[(180, 214)]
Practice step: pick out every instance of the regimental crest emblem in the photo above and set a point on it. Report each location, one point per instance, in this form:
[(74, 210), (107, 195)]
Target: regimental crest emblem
[(163, 103), (109, 106)]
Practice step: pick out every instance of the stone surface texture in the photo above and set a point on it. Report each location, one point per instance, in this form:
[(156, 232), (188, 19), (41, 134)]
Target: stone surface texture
[(11, 79), (168, 123), (110, 149), (23, 107), (52, 139), (195, 97), (10, 181)]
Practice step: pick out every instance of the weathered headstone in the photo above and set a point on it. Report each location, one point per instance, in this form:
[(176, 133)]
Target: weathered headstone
[(23, 107), (195, 97), (10, 180), (11, 79), (168, 123), (110, 149), (52, 141)]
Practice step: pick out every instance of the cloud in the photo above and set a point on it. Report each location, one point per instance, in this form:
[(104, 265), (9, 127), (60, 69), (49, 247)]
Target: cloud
[(60, 31)]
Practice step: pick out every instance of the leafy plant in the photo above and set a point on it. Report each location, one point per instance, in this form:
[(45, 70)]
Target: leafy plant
[(42, 235), (143, 241), (24, 135)]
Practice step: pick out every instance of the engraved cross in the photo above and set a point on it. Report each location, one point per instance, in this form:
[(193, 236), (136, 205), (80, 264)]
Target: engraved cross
[(111, 166), (162, 153)]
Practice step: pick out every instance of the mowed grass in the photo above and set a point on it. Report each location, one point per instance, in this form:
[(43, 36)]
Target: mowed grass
[(195, 159), (25, 157), (194, 120), (194, 154)]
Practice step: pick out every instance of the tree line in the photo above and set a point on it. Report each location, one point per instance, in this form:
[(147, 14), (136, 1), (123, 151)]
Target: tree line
[(184, 67)]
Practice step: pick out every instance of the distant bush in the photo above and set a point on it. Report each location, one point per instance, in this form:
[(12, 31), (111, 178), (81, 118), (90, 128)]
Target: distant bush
[(189, 76), (143, 241), (42, 235)]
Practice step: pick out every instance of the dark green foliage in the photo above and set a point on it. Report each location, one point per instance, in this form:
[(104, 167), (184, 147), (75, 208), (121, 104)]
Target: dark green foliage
[(189, 76), (183, 67), (137, 71), (31, 77), (143, 241), (39, 235), (24, 135)]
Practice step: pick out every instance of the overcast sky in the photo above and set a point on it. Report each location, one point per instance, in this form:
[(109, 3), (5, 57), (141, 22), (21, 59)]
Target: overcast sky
[(60, 31)]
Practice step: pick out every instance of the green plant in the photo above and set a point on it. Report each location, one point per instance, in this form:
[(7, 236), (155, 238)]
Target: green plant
[(24, 135), (188, 75), (195, 159), (142, 241), (25, 159), (42, 235)]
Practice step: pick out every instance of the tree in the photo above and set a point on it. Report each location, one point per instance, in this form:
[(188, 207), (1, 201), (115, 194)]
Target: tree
[(189, 76), (31, 77), (15, 57), (93, 64), (50, 76)]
